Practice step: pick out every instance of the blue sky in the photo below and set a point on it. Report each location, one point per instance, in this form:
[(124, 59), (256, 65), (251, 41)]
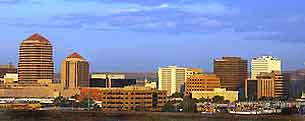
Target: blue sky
[(140, 35)]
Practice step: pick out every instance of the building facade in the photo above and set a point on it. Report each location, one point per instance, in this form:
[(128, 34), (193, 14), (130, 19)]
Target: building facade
[(264, 64), (228, 95), (201, 82), (172, 78), (35, 60), (110, 83), (74, 72), (132, 98), (267, 85), (109, 80), (106, 75), (232, 71)]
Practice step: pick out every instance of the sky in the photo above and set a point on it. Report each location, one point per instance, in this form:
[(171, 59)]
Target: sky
[(142, 35)]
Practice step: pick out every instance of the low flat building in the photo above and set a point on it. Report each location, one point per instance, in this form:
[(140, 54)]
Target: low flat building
[(10, 78), (29, 91), (109, 83), (7, 69), (132, 98), (105, 75), (152, 85), (228, 95)]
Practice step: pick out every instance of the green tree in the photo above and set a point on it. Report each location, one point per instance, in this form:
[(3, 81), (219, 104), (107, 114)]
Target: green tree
[(169, 107), (89, 103), (176, 95), (60, 101), (202, 100), (188, 104), (218, 99)]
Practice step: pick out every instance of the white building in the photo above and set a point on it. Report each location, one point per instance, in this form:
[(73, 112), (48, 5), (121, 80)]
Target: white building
[(264, 64), (171, 78), (10, 78), (108, 75)]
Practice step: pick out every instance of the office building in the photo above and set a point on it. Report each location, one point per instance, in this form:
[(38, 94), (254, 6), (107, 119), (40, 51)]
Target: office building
[(75, 72), (251, 89), (193, 71), (232, 72), (228, 95), (296, 82), (7, 69), (35, 60), (106, 75), (267, 85), (110, 80), (152, 85), (201, 82), (111, 83), (264, 64), (172, 78), (132, 98), (142, 76)]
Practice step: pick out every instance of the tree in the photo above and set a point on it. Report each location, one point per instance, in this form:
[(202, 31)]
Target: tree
[(60, 101), (188, 104), (218, 99), (202, 100), (89, 103), (226, 101), (169, 107), (176, 95)]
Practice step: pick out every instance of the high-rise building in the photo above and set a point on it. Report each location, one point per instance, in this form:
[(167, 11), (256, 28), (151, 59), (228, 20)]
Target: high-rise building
[(172, 78), (232, 72), (265, 64), (74, 72), (35, 60), (201, 82)]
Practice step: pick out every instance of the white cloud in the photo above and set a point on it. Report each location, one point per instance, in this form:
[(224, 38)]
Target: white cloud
[(164, 6)]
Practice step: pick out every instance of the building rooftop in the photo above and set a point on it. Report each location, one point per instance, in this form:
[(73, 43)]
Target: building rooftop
[(75, 55), (38, 37)]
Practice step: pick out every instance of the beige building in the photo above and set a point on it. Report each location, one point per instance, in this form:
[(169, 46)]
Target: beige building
[(201, 82), (264, 64), (171, 78), (35, 60), (41, 89), (10, 78), (228, 95), (74, 72), (271, 85), (131, 98), (152, 85)]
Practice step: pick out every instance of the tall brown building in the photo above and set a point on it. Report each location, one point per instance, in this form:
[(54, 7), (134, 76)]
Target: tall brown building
[(232, 72), (35, 60), (74, 72), (201, 82)]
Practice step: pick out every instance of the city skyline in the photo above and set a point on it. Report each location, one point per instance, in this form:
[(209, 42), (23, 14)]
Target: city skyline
[(137, 36)]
